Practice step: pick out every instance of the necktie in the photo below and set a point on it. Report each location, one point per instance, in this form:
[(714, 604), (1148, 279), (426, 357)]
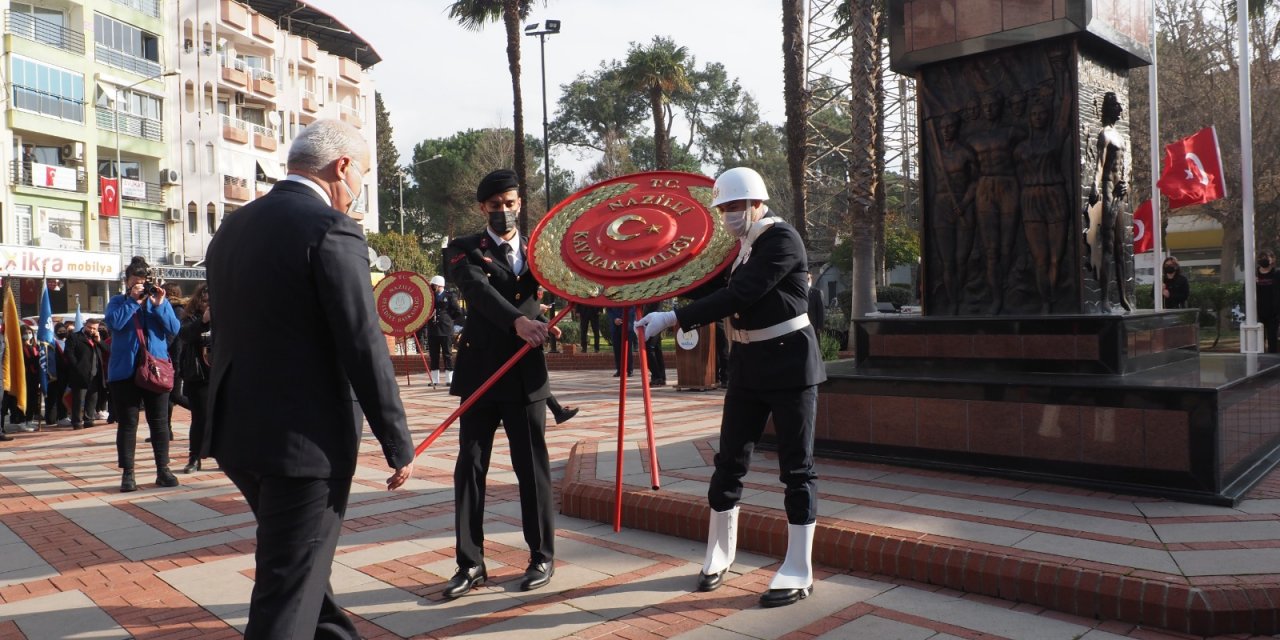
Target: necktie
[(511, 256)]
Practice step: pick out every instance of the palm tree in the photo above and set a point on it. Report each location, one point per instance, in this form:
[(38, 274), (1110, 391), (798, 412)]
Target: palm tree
[(797, 107), (660, 70), (864, 174), (473, 15)]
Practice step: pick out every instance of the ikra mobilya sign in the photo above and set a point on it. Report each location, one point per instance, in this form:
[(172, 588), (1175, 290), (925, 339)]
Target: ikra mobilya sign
[(36, 262)]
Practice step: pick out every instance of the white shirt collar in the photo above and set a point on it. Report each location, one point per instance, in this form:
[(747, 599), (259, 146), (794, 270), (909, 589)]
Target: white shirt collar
[(517, 259), (315, 186)]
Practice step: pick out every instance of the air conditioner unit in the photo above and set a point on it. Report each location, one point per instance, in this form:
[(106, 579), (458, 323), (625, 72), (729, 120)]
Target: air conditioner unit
[(170, 177), (177, 258), (239, 97), (173, 214), (73, 151)]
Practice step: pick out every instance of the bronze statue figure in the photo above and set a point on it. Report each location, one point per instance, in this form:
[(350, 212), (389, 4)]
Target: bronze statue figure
[(997, 194), (953, 206), (1106, 199)]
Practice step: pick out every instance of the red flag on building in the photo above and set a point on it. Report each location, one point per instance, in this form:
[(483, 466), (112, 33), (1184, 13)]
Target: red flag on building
[(1193, 170), (109, 189), (1144, 238)]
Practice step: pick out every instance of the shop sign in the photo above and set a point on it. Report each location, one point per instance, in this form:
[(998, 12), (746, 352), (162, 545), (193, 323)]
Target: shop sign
[(37, 262)]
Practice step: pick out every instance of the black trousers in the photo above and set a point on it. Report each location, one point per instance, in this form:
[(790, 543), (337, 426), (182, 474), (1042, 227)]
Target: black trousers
[(54, 410), (618, 333), (525, 426), (1270, 325), (128, 400), (198, 394), (592, 323), (83, 405), (745, 413), (440, 347), (657, 365), (299, 520)]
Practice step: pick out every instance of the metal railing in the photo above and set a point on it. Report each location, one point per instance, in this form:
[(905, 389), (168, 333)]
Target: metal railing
[(228, 121), (130, 125), (43, 102), (121, 60), (25, 25), (154, 195), (235, 181), (234, 63), (262, 130), (351, 111), (258, 73), (149, 7), (20, 173)]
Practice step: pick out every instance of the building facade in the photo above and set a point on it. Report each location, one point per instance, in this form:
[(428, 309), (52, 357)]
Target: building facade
[(133, 126)]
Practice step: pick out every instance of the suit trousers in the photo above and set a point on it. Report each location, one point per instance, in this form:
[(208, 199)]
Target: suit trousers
[(54, 410), (592, 323), (745, 413), (440, 348), (83, 405), (299, 520), (525, 425), (129, 399)]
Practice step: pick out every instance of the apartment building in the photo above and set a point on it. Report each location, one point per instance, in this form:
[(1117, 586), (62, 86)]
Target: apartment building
[(133, 126)]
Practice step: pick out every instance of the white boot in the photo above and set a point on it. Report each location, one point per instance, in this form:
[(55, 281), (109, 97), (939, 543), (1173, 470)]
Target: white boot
[(435, 378), (722, 544), (448, 377), (794, 580)]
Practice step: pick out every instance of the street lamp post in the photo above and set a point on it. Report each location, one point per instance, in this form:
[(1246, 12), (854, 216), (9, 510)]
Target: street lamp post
[(549, 27), (124, 257), (402, 171)]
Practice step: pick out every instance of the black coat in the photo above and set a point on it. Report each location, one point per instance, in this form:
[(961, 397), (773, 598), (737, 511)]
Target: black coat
[(495, 298), (84, 361), (1179, 291), (446, 314), (772, 286), (299, 353)]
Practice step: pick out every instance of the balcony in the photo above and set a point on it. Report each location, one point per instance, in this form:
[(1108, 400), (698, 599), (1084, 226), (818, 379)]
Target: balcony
[(45, 103), (349, 70), (34, 29), (234, 70), (234, 130), (264, 137), (130, 125), (234, 14), (234, 188), (132, 190), (264, 82), (264, 28), (261, 188), (350, 115), (309, 50), (149, 7), (55, 178), (309, 102), (122, 60)]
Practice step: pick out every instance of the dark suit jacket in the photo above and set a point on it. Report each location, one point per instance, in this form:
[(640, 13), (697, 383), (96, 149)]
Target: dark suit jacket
[(297, 334), (84, 361), (446, 314), (770, 287), (495, 298)]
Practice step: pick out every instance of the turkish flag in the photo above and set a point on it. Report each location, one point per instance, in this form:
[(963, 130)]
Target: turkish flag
[(109, 188), (1193, 170), (1144, 236)]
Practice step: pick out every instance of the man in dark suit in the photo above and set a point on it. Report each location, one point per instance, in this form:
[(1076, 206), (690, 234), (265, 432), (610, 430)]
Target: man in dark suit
[(774, 369), (492, 272), (285, 412), (84, 374)]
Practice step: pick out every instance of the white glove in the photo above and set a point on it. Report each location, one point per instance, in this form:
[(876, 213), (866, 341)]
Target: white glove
[(656, 322)]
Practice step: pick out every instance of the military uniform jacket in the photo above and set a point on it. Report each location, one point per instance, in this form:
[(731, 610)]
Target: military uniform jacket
[(495, 298), (768, 288), (446, 314)]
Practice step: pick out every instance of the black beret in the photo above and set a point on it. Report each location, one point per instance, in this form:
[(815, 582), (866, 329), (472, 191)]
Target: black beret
[(500, 181)]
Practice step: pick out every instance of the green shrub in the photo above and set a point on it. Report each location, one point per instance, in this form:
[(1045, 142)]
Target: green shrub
[(897, 295), (830, 346)]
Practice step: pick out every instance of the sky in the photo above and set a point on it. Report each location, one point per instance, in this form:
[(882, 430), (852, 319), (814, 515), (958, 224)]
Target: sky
[(437, 78)]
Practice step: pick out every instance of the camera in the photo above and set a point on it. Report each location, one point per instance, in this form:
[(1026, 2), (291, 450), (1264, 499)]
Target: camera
[(151, 286)]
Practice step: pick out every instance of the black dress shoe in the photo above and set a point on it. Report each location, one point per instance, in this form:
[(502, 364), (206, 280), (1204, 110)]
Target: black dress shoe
[(784, 597), (711, 582), (537, 575), (127, 483), (464, 580), (566, 415), (165, 478)]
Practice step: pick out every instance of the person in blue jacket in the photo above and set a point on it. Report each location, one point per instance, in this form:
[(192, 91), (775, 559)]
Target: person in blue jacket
[(141, 308)]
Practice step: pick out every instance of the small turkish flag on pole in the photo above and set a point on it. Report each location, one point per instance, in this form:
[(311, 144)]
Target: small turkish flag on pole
[(1193, 170), (109, 188), (1144, 237)]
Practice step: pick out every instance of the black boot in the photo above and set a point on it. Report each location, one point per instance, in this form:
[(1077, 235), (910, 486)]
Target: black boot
[(127, 483), (165, 478)]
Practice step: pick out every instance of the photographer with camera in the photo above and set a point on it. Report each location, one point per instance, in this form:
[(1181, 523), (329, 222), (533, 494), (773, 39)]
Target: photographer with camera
[(196, 339), (140, 318)]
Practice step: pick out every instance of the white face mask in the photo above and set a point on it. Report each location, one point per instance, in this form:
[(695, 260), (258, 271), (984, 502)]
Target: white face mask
[(350, 193), (738, 222)]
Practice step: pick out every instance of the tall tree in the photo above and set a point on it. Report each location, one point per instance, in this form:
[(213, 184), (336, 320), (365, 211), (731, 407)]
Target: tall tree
[(596, 113), (659, 71), (388, 165), (796, 96), (863, 172), (473, 15)]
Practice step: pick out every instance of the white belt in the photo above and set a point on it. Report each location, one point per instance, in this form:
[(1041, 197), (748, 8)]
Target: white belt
[(768, 333)]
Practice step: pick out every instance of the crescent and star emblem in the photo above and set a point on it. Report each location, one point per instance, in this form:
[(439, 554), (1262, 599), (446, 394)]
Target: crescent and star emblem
[(1204, 176), (1142, 230), (614, 231)]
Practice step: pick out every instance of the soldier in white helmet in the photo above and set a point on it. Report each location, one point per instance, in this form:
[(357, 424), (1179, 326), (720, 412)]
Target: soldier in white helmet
[(439, 330), (775, 367)]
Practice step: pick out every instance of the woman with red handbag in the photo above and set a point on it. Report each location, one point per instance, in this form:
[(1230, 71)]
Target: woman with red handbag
[(139, 373)]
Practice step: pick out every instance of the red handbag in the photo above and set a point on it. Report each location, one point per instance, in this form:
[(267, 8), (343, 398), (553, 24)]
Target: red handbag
[(153, 374)]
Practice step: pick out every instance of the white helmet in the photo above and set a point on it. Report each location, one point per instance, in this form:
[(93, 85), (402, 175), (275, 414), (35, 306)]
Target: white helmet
[(437, 281), (738, 183)]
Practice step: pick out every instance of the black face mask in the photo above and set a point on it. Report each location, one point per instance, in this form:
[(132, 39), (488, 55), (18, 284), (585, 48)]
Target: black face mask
[(1170, 270), (1264, 263), (503, 221), (61, 334)]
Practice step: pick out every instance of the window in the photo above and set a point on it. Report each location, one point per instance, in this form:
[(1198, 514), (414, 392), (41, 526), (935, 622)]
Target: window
[(188, 37), (22, 220), (42, 154), (189, 97), (132, 169), (253, 115), (211, 215), (47, 90), (190, 157), (126, 46), (67, 225), (142, 238), (208, 97), (42, 24), (208, 158), (193, 220)]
